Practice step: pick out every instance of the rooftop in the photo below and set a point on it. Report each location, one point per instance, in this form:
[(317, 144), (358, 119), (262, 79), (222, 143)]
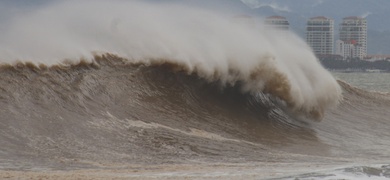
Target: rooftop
[(353, 18), (320, 18), (275, 17)]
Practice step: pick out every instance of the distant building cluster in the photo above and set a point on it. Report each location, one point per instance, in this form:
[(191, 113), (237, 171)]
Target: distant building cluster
[(352, 41)]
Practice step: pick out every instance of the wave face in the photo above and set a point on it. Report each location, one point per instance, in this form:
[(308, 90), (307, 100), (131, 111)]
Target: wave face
[(113, 112)]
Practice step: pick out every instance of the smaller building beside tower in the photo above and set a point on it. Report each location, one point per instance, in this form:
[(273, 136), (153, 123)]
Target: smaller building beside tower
[(349, 49)]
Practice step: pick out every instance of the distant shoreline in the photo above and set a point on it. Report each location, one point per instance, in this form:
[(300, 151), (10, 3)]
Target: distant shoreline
[(357, 70), (382, 66)]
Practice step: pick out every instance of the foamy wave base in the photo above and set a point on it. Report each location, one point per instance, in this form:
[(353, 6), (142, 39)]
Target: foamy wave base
[(198, 41), (378, 172)]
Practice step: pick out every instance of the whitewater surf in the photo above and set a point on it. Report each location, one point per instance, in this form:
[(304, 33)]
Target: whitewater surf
[(146, 90)]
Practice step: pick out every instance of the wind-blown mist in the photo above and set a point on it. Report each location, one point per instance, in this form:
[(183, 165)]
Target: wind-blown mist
[(206, 43)]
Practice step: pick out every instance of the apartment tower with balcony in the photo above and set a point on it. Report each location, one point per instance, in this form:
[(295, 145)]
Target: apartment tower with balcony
[(353, 32), (320, 35)]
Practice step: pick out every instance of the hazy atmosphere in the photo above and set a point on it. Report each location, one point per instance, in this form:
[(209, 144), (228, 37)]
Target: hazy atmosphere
[(186, 89), (297, 12)]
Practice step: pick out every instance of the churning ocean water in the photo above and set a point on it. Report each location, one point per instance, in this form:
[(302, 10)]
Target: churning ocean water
[(132, 90)]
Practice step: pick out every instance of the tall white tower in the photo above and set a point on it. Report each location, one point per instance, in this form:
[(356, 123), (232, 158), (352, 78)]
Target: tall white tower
[(354, 29), (320, 35)]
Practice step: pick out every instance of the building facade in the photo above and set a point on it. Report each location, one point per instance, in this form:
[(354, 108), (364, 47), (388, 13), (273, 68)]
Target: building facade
[(349, 50), (353, 30), (278, 22), (320, 35)]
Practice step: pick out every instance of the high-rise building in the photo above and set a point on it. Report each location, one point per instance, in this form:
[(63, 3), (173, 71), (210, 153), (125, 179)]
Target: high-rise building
[(320, 35), (278, 22), (353, 30)]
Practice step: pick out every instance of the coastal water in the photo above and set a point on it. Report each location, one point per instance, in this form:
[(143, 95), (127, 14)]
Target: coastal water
[(367, 83), (136, 90), (366, 80), (110, 119)]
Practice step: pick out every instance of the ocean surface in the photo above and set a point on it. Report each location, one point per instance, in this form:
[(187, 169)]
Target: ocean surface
[(110, 114), (135, 90), (365, 80)]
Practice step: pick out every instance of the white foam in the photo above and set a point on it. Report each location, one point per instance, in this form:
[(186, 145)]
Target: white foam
[(208, 42)]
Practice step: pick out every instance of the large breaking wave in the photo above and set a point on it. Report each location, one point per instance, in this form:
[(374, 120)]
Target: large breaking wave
[(111, 113), (211, 45), (143, 85)]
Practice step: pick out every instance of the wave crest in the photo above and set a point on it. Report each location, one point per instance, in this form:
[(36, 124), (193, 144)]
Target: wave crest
[(193, 40)]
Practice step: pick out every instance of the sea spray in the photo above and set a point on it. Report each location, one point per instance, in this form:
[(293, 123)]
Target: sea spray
[(206, 43)]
